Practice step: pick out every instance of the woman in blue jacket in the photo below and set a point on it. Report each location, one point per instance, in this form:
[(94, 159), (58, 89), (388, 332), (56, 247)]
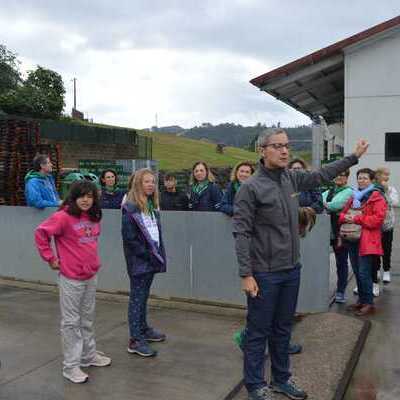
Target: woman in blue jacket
[(239, 174), (145, 256), (204, 194), (111, 196)]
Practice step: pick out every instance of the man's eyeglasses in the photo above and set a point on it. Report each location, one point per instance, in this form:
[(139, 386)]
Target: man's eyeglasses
[(278, 146)]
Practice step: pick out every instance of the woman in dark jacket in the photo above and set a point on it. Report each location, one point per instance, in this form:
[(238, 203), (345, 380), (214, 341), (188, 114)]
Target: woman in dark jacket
[(204, 194), (111, 196), (239, 174), (309, 198), (145, 256)]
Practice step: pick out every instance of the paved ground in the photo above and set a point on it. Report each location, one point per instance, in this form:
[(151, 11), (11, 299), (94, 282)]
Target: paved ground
[(199, 360), (377, 376)]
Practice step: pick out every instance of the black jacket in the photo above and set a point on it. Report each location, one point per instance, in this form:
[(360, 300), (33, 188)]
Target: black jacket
[(174, 201)]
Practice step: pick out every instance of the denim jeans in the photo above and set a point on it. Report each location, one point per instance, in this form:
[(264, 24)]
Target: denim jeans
[(342, 267), (137, 307), (270, 318), (362, 268)]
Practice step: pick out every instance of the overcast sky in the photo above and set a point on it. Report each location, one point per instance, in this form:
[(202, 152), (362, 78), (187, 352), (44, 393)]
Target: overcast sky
[(188, 61)]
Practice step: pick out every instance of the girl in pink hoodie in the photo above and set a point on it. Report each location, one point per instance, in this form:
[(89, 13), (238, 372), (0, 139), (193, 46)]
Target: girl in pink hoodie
[(75, 228)]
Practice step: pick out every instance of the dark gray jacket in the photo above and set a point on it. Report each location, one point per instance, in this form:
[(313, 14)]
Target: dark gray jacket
[(265, 219)]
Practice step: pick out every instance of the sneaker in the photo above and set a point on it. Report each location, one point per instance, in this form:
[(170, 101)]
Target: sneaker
[(75, 375), (141, 348), (295, 348), (340, 298), (99, 360), (386, 277), (289, 389), (263, 393), (152, 335), (375, 289), (355, 290)]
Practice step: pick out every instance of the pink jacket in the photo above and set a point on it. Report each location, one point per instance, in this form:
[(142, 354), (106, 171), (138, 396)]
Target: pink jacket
[(76, 244)]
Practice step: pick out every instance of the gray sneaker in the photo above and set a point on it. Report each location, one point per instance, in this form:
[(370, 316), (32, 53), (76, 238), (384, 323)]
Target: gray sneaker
[(75, 375), (263, 393), (99, 360)]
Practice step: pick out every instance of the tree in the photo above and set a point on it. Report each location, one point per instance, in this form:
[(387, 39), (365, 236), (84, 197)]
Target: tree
[(48, 91), (40, 96), (10, 76)]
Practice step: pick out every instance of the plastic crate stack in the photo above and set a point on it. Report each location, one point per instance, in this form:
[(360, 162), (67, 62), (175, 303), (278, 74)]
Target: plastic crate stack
[(19, 143)]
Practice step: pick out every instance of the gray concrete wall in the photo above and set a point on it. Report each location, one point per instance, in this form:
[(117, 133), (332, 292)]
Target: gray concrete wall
[(372, 98), (200, 250)]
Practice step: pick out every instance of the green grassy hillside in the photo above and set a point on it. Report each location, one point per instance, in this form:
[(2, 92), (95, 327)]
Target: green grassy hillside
[(176, 153)]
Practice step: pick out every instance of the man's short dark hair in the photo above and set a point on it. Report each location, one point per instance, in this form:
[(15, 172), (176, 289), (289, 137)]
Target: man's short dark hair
[(367, 171), (169, 177), (39, 160)]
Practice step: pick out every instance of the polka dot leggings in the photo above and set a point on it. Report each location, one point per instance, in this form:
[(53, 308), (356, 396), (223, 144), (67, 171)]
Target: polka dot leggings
[(137, 308)]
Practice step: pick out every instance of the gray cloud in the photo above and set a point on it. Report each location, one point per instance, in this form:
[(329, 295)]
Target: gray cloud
[(69, 36)]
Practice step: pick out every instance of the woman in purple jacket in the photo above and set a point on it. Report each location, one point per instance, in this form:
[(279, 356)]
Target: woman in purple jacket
[(145, 256)]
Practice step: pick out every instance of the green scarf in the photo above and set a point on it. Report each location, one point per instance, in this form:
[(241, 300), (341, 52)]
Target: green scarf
[(111, 189), (200, 187), (334, 191), (236, 186), (34, 174), (150, 206)]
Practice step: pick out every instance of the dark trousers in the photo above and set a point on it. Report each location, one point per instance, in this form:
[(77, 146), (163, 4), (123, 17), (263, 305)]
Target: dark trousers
[(362, 268), (270, 318), (137, 307), (387, 240), (342, 267)]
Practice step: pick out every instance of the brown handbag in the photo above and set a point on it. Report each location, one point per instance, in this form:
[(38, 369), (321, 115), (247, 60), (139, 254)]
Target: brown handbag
[(351, 231)]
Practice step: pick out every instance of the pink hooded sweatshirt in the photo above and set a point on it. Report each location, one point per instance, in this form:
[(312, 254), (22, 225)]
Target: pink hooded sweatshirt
[(76, 244)]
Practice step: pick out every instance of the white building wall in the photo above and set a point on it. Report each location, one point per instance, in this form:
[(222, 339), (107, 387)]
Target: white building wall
[(337, 130), (372, 99)]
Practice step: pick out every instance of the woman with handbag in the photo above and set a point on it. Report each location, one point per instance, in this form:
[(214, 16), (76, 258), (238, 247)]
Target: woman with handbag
[(361, 221)]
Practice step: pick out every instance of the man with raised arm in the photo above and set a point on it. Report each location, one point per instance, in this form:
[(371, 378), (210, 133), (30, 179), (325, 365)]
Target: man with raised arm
[(265, 227)]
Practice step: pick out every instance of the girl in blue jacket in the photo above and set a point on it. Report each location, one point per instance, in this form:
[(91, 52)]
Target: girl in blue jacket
[(239, 174), (145, 256), (204, 194)]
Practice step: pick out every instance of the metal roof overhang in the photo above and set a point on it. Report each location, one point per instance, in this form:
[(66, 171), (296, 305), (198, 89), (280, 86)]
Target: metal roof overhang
[(314, 84), (315, 90)]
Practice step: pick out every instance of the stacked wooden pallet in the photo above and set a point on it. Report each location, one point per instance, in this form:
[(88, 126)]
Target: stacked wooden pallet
[(19, 143)]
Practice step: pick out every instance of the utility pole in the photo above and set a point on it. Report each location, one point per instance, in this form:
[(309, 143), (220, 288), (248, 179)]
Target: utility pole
[(74, 93)]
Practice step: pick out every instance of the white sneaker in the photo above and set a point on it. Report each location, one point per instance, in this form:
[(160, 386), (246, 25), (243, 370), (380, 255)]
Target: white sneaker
[(100, 360), (75, 375), (386, 277), (375, 289), (355, 290)]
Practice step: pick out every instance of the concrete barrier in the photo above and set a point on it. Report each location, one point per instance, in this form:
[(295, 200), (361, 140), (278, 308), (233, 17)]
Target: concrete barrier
[(200, 249)]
